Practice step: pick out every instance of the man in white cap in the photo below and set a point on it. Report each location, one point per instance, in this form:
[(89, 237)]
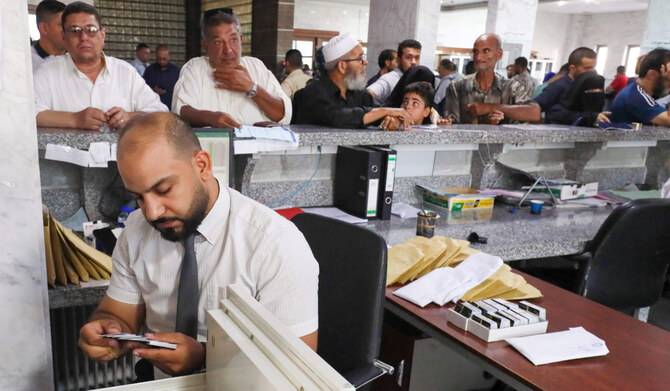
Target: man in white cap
[(224, 89), (339, 98)]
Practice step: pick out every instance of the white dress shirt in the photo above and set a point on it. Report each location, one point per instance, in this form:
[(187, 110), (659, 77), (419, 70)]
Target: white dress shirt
[(384, 86), (196, 88), (239, 241), (60, 86)]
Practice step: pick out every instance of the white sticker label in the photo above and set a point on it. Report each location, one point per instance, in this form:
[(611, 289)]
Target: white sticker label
[(373, 189), (390, 172)]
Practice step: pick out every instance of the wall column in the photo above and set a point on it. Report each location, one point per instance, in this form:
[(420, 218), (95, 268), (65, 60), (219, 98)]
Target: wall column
[(657, 30), (392, 21), (514, 22), (25, 334), (272, 31)]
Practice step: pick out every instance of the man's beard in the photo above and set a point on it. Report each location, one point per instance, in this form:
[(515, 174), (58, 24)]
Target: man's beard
[(659, 88), (354, 80), (196, 213)]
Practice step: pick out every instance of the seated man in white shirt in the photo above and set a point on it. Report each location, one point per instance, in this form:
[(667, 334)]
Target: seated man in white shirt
[(85, 89), (224, 89), (235, 240)]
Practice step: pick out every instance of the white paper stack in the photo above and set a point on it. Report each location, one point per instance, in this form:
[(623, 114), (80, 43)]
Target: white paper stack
[(560, 346), (450, 284)]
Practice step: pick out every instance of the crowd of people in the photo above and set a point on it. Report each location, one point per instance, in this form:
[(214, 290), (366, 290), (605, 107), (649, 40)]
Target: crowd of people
[(77, 85)]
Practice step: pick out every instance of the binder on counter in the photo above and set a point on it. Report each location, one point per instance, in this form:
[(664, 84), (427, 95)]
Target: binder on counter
[(385, 197), (357, 181)]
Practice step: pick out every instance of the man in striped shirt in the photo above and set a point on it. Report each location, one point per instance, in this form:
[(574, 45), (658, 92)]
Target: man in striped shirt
[(236, 240), (635, 103)]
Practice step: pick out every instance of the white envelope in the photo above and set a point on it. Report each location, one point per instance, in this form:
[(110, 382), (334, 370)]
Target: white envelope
[(559, 346)]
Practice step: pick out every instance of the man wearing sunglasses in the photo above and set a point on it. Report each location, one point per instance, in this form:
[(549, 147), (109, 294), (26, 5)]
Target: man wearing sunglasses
[(224, 89), (85, 89)]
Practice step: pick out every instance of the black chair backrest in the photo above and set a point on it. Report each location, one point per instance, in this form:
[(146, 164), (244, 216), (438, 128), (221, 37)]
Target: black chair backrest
[(352, 284), (630, 255)]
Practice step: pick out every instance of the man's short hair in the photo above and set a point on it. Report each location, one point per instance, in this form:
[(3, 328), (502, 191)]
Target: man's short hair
[(408, 43), (385, 55), (141, 46), (294, 57), (216, 17), (580, 53), (162, 46), (522, 62), (620, 69), (81, 7), (448, 65), (47, 9), (177, 131), (422, 88), (653, 61)]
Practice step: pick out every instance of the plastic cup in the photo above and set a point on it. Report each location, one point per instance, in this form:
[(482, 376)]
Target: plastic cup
[(536, 207), (425, 224)]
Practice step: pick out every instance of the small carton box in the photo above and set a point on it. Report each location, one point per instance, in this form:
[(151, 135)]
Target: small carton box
[(457, 198), (571, 191)]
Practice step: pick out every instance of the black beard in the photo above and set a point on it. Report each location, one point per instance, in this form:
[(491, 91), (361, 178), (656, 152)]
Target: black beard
[(196, 213)]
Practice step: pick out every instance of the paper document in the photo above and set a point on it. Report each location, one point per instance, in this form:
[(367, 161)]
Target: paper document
[(560, 346), (446, 284), (404, 210), (99, 154), (337, 214), (274, 133), (67, 154)]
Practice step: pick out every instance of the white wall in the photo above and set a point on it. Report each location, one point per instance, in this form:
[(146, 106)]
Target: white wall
[(616, 30), (332, 16), (551, 31), (459, 29)]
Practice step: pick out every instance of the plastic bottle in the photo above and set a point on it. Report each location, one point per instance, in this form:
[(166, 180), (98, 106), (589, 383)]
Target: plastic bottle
[(123, 216)]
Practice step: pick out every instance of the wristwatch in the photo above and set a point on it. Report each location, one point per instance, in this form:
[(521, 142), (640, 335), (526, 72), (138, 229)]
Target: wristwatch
[(253, 91)]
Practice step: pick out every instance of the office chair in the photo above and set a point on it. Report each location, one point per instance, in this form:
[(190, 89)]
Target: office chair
[(352, 284), (625, 264)]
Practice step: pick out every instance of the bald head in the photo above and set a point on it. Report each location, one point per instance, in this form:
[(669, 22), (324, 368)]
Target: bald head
[(492, 39), (486, 52), (145, 129)]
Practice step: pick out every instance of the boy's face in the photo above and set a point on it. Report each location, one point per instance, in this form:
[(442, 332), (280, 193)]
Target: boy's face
[(416, 107)]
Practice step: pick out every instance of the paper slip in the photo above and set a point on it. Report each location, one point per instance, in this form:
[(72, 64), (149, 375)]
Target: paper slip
[(404, 210), (337, 214), (274, 133), (99, 154), (140, 338), (67, 154), (560, 346)]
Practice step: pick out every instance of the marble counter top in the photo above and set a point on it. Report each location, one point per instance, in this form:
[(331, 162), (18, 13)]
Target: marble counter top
[(449, 134), (512, 236)]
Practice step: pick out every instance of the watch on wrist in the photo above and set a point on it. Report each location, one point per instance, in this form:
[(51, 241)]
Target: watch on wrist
[(253, 91)]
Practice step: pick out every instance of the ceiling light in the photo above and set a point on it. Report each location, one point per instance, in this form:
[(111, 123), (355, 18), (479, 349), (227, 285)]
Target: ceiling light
[(561, 3)]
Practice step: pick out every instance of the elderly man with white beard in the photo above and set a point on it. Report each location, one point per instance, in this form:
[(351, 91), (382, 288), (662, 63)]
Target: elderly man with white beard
[(339, 99)]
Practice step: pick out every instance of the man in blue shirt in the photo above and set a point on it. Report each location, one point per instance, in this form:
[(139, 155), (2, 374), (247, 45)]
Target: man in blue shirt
[(635, 102), (162, 75)]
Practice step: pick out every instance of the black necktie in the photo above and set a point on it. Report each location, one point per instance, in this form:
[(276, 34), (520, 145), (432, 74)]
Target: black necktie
[(187, 300)]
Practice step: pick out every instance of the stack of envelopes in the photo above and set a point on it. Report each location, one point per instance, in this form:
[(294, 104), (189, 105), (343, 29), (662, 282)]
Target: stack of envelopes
[(419, 256), (69, 258)]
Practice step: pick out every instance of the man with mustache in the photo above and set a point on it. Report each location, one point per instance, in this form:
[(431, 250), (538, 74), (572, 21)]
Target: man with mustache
[(485, 97), (224, 89), (339, 98), (635, 102), (234, 239), (85, 89)]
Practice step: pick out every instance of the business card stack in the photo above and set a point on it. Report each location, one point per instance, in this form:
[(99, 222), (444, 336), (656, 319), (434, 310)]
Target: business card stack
[(498, 319)]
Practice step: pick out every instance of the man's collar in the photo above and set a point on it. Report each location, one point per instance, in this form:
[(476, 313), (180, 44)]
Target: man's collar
[(295, 71), (210, 227), (330, 86), (104, 72), (40, 51), (496, 84)]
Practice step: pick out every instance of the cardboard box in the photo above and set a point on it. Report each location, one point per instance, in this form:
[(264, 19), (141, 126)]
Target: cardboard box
[(571, 192), (456, 199), (492, 335)]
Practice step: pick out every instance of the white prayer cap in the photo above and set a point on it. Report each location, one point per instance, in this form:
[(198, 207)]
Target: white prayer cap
[(338, 47)]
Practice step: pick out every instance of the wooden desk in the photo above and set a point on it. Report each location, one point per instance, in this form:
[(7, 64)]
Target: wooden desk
[(639, 357)]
